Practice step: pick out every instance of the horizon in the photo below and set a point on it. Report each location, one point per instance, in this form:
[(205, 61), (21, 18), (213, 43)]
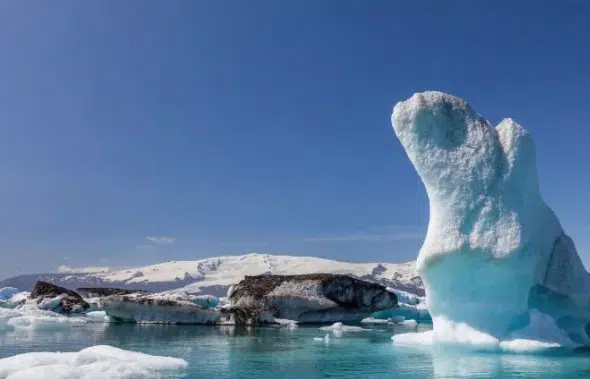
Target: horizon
[(135, 136)]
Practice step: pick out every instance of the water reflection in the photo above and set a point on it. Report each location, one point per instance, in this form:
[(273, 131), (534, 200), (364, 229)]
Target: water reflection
[(272, 352)]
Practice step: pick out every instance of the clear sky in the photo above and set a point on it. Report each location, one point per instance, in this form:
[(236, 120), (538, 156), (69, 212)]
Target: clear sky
[(135, 132)]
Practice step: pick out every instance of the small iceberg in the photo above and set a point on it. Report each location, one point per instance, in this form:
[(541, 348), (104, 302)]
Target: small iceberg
[(93, 362), (325, 340), (339, 327)]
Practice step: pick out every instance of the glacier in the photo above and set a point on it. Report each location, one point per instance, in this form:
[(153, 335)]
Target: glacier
[(497, 266)]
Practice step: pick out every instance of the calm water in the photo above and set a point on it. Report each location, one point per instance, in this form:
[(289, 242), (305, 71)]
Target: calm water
[(265, 353)]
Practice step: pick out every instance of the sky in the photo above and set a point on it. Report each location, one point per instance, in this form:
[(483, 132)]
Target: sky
[(138, 132)]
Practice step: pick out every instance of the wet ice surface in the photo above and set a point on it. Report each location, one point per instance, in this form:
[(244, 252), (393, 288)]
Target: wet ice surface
[(278, 352)]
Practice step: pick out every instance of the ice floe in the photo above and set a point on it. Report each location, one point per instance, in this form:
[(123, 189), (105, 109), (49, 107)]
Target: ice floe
[(91, 363)]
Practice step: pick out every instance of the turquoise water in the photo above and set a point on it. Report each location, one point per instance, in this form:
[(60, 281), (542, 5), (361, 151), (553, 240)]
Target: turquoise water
[(265, 353)]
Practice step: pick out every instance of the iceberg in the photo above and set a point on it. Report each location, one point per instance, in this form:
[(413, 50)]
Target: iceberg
[(31, 317), (13, 299), (7, 292), (313, 298), (495, 261), (158, 308), (93, 362), (58, 299)]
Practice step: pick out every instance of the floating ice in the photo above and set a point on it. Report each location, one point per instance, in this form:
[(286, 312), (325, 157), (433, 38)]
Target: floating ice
[(494, 252), (325, 340), (404, 297), (158, 308), (339, 327), (29, 316), (291, 324), (372, 320), (93, 362), (7, 292), (408, 323), (14, 300), (97, 316)]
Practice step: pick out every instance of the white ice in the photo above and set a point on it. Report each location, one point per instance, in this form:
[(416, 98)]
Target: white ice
[(325, 340), (97, 316), (371, 320), (495, 256), (339, 327), (91, 363), (404, 297), (31, 317)]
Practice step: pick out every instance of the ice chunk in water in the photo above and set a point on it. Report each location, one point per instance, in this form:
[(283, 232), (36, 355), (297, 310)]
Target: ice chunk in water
[(93, 362)]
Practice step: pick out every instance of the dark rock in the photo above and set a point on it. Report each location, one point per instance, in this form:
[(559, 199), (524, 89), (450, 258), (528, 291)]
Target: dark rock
[(69, 301), (313, 298), (106, 291)]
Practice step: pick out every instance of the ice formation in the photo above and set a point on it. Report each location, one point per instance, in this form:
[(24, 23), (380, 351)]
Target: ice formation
[(7, 292), (93, 362), (340, 327), (495, 259), (313, 298), (12, 299), (31, 317), (158, 308)]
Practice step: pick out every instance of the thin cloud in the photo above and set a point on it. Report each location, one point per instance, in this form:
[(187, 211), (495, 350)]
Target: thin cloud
[(161, 240), (374, 234)]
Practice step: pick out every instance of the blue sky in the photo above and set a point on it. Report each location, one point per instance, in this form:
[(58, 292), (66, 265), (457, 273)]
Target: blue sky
[(142, 131)]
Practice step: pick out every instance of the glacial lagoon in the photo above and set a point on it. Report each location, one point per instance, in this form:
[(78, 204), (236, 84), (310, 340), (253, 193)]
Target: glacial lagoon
[(278, 352)]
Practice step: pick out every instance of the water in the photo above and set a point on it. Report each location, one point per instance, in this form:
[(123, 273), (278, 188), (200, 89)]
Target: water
[(265, 353)]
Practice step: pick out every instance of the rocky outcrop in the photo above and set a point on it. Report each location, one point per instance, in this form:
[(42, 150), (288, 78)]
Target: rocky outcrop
[(158, 308), (58, 299), (106, 291), (313, 298)]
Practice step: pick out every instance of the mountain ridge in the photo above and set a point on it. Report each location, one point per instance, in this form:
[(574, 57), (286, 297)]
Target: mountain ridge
[(214, 275)]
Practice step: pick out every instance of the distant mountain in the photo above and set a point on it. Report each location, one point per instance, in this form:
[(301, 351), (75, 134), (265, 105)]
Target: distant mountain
[(215, 275)]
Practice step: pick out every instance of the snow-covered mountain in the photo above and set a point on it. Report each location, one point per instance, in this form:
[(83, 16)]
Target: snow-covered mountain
[(215, 275)]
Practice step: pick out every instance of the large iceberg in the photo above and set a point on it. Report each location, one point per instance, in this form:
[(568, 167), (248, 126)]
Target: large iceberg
[(312, 298), (495, 261)]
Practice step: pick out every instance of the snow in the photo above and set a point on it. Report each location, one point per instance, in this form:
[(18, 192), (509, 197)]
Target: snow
[(93, 362), (339, 327), (63, 269), (221, 272), (494, 253)]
